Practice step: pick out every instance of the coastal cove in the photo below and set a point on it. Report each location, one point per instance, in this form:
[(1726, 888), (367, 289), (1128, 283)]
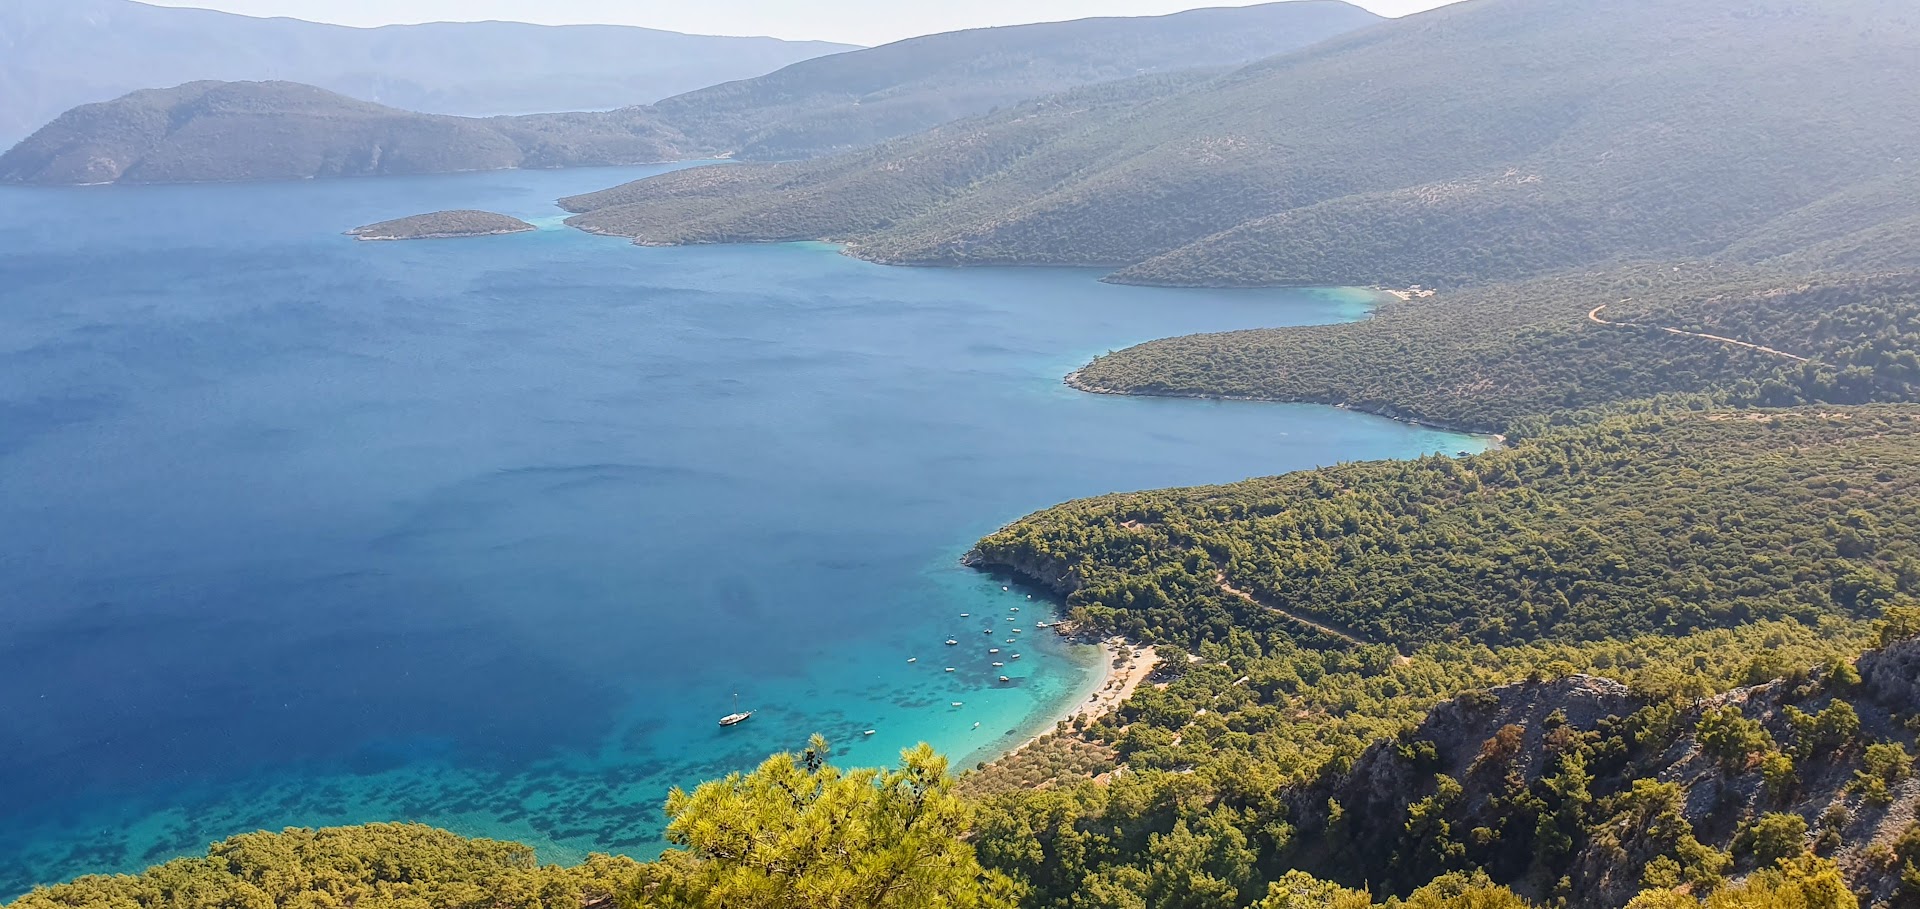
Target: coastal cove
[(487, 532)]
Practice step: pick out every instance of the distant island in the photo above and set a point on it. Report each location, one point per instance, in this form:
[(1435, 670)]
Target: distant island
[(443, 225)]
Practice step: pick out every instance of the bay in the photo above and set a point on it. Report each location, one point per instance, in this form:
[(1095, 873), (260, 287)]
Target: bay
[(296, 530)]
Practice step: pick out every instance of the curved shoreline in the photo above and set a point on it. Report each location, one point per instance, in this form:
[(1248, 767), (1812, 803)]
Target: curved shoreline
[(1127, 665), (1076, 381), (1124, 665)]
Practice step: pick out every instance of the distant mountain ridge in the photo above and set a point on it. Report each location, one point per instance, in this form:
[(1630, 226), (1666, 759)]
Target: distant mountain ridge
[(1483, 141), (234, 131), (841, 101), (856, 99), (59, 54)]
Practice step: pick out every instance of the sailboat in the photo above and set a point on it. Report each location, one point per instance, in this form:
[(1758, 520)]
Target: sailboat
[(736, 717)]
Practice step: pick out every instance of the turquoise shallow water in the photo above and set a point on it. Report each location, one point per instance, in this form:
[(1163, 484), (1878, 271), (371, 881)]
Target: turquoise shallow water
[(487, 533)]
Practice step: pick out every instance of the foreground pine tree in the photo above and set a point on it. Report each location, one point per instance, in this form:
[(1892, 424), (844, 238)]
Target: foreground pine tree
[(799, 833)]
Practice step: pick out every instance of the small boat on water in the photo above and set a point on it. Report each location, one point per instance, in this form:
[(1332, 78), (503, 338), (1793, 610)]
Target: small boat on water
[(913, 659), (959, 704), (994, 650), (986, 631), (1014, 657), (949, 668), (869, 732), (1004, 680), (998, 665), (1003, 590), (1009, 640), (737, 716), (952, 643), (966, 615), (1016, 609)]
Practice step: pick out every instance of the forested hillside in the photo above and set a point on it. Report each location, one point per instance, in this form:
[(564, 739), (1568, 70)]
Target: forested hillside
[(1486, 140), (1485, 357), (1585, 789), (1679, 548), (856, 99), (1667, 523)]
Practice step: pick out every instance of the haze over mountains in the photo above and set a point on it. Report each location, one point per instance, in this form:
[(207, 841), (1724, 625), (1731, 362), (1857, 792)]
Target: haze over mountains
[(57, 54), (231, 131), (854, 100), (1487, 140), (841, 101)]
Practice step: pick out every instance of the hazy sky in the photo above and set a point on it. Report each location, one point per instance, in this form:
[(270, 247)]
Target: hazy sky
[(854, 21)]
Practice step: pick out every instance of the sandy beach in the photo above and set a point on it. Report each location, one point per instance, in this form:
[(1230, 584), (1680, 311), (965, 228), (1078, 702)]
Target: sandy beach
[(1409, 295), (1127, 667)]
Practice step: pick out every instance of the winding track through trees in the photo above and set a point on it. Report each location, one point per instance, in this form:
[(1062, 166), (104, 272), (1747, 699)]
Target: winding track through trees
[(1595, 318), (1227, 588)]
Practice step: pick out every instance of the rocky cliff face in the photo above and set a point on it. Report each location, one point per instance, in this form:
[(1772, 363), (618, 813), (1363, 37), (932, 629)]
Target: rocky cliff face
[(1892, 676), (1462, 762), (1053, 574), (1579, 788)]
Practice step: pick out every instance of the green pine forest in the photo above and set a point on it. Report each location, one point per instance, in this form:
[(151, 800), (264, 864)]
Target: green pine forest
[(1658, 648)]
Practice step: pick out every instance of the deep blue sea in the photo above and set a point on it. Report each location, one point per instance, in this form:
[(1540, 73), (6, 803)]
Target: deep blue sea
[(296, 530)]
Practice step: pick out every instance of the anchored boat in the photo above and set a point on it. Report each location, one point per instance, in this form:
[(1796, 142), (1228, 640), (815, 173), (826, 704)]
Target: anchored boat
[(737, 716)]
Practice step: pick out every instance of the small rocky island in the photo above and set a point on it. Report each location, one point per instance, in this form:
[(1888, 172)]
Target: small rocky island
[(443, 225)]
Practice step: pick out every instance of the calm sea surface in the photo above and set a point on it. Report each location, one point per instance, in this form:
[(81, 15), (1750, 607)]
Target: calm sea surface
[(487, 533)]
